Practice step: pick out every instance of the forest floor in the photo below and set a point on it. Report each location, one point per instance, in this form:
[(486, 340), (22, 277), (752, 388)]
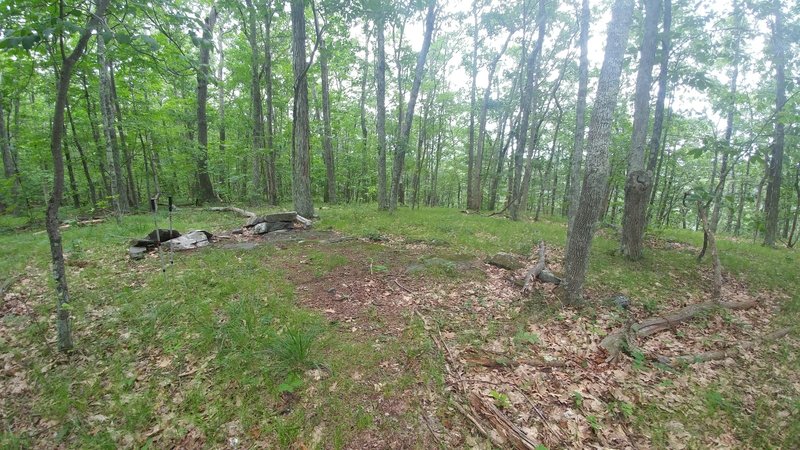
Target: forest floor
[(381, 331)]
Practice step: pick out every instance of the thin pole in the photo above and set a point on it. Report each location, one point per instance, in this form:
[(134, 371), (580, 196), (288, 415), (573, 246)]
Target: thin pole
[(171, 252), (153, 208)]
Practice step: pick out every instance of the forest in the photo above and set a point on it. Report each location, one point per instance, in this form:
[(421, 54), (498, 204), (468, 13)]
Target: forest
[(429, 224)]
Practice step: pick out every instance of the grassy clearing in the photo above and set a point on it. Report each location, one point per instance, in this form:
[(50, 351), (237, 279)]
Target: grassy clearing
[(220, 351)]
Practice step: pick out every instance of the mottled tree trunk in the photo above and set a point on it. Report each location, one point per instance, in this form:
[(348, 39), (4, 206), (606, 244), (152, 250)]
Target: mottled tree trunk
[(597, 164), (576, 160), (256, 111), (206, 193), (327, 132), (380, 124), (51, 219), (271, 175), (84, 163), (301, 151), (405, 131), (772, 200), (119, 199), (130, 185), (639, 182)]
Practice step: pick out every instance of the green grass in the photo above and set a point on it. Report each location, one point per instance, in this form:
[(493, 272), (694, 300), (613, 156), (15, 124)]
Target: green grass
[(220, 341)]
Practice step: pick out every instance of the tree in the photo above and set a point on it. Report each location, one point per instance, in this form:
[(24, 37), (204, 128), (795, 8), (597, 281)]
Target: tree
[(775, 178), (580, 119), (206, 193), (327, 132), (256, 112), (597, 165), (637, 185), (405, 131), (9, 169), (51, 218), (380, 95), (301, 151), (118, 189)]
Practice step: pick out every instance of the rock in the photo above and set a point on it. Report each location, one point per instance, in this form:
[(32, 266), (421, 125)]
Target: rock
[(289, 216), (302, 220), (620, 301), (269, 227), (190, 240), (155, 237), (549, 277), (137, 252), (506, 261)]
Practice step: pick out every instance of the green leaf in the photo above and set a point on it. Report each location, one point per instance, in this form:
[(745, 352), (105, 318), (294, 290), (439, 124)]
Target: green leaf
[(123, 38)]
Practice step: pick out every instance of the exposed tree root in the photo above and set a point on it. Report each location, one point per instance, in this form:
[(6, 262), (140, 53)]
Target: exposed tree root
[(621, 340), (717, 355), (539, 271)]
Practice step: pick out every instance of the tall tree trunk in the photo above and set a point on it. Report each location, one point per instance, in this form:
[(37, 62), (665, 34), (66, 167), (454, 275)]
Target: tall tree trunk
[(745, 186), (220, 102), (472, 165), (99, 148), (272, 177), (527, 104), (772, 200), (206, 193), (597, 164), (792, 237), (639, 181), (119, 199), (723, 172), (73, 185), (362, 107), (405, 132), (380, 125), (549, 168), (301, 151), (327, 132), (130, 185), (86, 173), (51, 219), (475, 178), (256, 112), (576, 160), (9, 168)]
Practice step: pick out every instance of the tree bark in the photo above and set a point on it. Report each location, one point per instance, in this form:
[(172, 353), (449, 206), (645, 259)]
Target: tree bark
[(301, 151), (99, 148), (772, 199), (206, 193), (271, 175), (380, 124), (63, 327), (327, 132), (405, 132), (130, 185), (638, 183), (597, 164), (73, 185), (477, 191), (472, 186), (256, 105), (86, 173), (119, 199), (527, 105), (580, 120)]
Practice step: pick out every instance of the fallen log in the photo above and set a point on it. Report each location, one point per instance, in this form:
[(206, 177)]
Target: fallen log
[(668, 321), (716, 355), (240, 211)]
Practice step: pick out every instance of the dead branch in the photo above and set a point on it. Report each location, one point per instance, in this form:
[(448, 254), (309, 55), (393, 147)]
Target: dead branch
[(727, 352), (473, 357), (240, 211), (402, 287), (502, 424), (536, 269), (668, 321), (621, 339)]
